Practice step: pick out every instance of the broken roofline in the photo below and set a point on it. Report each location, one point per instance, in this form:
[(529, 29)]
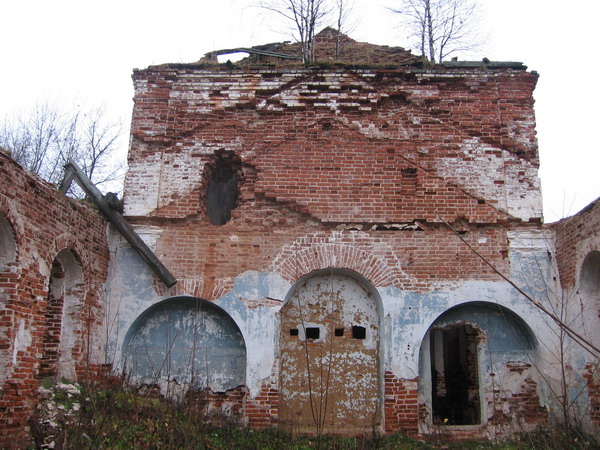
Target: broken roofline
[(289, 51)]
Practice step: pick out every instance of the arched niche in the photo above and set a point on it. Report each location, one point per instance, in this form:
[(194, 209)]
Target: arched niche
[(63, 319), (589, 277), (465, 349), (8, 256), (187, 341), (330, 374), (8, 247)]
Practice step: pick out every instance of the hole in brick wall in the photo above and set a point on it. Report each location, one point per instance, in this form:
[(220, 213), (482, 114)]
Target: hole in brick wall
[(454, 375), (326, 126), (222, 191), (481, 201), (294, 332), (313, 333), (339, 331), (359, 332)]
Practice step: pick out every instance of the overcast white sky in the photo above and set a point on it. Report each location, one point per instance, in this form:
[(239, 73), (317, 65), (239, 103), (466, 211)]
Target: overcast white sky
[(82, 51)]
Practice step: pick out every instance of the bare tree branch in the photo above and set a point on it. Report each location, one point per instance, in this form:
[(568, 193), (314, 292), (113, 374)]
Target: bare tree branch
[(441, 27), (305, 15), (343, 11), (44, 139)]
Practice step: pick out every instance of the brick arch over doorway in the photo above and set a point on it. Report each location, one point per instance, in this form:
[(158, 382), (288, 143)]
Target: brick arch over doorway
[(311, 253)]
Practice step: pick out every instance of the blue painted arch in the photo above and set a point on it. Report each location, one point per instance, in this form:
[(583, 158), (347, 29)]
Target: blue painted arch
[(504, 329), (186, 340)]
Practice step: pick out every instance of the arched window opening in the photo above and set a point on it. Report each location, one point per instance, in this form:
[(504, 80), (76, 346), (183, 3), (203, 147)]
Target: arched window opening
[(590, 274), (455, 375), (65, 298), (186, 341), (222, 190), (8, 247)]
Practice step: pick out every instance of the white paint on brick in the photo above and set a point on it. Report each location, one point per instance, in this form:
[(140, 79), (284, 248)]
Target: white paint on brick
[(149, 234), (22, 340), (482, 172)]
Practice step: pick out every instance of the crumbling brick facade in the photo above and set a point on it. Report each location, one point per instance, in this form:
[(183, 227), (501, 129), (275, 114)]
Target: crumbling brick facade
[(38, 224), (348, 171)]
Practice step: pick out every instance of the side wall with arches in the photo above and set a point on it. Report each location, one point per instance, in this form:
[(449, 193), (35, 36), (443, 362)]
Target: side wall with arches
[(578, 261), (53, 262)]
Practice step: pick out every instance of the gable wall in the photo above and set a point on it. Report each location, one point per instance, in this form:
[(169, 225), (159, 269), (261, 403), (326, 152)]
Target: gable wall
[(361, 170)]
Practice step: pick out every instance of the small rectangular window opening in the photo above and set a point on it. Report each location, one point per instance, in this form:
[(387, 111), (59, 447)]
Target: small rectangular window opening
[(313, 333), (359, 332), (339, 331), (294, 332)]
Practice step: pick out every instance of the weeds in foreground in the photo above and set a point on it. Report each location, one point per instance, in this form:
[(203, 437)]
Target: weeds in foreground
[(120, 419)]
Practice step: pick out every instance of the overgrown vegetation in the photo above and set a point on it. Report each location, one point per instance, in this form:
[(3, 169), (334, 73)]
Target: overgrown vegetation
[(119, 418)]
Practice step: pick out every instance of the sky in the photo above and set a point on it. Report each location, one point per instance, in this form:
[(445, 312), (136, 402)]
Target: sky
[(83, 52)]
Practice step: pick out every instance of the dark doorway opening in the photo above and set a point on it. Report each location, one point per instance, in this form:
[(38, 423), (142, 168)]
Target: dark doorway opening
[(454, 375)]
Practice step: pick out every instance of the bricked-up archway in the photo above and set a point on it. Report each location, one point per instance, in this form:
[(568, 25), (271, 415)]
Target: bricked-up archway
[(476, 363), (187, 341), (63, 313), (330, 376)]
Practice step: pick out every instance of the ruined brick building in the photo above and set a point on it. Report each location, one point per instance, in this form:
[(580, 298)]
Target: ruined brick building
[(336, 232)]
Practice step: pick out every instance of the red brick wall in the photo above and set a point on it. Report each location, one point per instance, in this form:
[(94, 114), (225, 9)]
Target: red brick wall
[(401, 408), (321, 152), (263, 411), (43, 222)]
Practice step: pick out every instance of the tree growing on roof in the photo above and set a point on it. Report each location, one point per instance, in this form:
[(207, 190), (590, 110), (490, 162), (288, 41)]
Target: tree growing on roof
[(44, 139), (343, 10), (305, 15), (441, 27)]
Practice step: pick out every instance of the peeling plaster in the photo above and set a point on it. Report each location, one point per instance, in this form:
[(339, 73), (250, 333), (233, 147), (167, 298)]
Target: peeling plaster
[(487, 164)]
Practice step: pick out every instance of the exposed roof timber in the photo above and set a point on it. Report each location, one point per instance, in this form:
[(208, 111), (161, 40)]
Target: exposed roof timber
[(72, 171), (251, 50)]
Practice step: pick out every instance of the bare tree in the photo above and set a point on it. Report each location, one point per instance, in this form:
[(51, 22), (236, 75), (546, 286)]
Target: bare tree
[(343, 10), (441, 27), (305, 15), (45, 138)]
